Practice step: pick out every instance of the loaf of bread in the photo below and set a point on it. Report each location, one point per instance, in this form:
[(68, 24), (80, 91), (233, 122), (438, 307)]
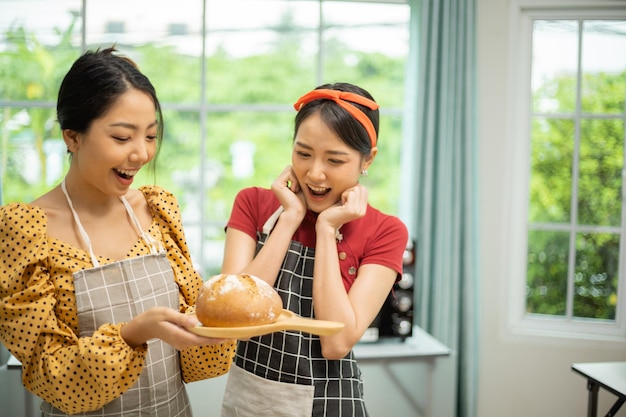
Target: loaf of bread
[(237, 300)]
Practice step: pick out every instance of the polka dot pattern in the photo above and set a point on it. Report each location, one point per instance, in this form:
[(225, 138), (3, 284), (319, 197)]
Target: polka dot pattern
[(38, 320)]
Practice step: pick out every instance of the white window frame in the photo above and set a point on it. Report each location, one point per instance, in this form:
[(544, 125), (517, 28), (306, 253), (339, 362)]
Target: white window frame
[(523, 13)]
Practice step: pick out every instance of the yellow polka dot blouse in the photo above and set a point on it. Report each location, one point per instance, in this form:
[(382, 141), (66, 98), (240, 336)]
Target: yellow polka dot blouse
[(39, 323)]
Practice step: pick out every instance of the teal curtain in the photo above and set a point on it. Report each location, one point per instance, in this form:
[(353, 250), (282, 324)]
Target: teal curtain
[(441, 149)]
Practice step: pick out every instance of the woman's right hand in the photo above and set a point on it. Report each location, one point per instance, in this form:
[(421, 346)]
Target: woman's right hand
[(167, 325), (287, 190)]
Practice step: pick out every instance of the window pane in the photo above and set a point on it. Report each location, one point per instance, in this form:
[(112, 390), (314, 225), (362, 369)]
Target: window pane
[(577, 154), (600, 178), (266, 55), (552, 152), (36, 48), (253, 148), (546, 285), (33, 153), (162, 64), (383, 178), (164, 41), (604, 66), (178, 161), (597, 260), (367, 44), (41, 17), (554, 65)]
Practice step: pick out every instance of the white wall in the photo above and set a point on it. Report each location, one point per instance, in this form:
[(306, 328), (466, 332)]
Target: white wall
[(519, 376)]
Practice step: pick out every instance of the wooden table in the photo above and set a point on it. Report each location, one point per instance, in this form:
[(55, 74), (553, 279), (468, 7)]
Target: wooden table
[(609, 375)]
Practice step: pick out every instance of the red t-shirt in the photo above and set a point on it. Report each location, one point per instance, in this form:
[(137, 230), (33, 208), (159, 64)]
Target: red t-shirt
[(375, 238)]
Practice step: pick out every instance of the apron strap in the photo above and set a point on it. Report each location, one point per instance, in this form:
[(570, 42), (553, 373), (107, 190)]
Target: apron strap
[(154, 245), (271, 221), (81, 230)]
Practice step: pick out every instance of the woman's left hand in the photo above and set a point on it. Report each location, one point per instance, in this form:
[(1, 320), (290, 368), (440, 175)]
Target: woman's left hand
[(352, 206)]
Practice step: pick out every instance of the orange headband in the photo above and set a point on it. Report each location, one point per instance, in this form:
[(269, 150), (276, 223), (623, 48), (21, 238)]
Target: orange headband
[(341, 98)]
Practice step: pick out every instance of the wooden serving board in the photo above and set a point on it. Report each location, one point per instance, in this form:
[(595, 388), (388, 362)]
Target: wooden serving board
[(287, 320)]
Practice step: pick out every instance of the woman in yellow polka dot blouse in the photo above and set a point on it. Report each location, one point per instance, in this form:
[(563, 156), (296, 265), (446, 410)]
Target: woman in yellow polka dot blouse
[(97, 286)]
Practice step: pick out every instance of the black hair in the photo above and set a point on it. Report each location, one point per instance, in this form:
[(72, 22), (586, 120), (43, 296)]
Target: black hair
[(349, 129), (93, 84)]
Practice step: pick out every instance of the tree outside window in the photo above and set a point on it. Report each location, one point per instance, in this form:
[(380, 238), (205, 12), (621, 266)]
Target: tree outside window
[(576, 213)]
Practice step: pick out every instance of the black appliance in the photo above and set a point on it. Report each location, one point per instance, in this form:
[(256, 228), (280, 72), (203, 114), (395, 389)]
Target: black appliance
[(395, 319)]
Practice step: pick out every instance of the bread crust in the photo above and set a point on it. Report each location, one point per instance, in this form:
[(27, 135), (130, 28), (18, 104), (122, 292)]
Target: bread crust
[(228, 300)]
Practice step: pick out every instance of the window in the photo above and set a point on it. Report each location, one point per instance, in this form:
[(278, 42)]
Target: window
[(227, 73), (574, 135)]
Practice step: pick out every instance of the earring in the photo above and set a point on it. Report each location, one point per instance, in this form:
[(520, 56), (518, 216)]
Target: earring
[(364, 172)]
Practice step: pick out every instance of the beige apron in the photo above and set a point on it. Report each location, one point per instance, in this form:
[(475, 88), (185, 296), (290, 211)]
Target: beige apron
[(264, 397), (284, 373), (116, 293)]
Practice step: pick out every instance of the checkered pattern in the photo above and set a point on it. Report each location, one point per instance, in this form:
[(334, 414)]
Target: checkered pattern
[(296, 357), (115, 293)]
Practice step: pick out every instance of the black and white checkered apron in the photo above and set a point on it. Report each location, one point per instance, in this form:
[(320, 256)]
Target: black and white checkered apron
[(294, 358), (116, 293)]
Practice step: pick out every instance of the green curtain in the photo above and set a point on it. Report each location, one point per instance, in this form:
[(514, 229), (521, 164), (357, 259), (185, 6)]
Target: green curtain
[(441, 147)]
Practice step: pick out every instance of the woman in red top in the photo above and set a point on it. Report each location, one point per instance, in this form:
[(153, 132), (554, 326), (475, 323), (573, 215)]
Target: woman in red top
[(328, 253)]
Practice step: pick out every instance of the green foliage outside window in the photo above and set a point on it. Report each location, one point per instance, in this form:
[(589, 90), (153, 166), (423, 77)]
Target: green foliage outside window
[(247, 99), (591, 169)]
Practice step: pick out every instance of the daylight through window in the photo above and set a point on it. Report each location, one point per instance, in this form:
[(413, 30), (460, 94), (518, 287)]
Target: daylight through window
[(576, 213), (227, 73)]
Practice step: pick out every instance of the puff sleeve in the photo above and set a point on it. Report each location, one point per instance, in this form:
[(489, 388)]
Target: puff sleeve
[(38, 321), (199, 362)]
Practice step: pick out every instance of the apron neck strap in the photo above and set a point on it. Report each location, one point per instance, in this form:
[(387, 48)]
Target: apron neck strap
[(154, 245), (81, 230), (271, 221)]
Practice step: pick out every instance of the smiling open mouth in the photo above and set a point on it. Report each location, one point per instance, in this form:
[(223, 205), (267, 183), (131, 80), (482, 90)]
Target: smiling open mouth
[(125, 174), (319, 191)]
